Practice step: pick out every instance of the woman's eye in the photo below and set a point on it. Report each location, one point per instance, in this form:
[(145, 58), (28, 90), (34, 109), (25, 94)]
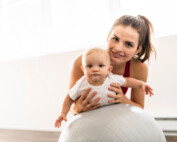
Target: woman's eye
[(89, 66), (101, 65), (129, 44), (115, 38)]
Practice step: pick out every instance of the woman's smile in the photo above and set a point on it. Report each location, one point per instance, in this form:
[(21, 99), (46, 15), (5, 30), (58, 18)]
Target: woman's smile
[(117, 54)]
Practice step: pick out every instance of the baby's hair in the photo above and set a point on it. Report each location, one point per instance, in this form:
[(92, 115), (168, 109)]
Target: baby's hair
[(144, 28), (97, 50)]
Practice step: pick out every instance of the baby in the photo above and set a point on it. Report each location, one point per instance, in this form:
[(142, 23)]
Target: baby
[(96, 66)]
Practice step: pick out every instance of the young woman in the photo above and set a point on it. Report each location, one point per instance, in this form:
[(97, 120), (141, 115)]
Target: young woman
[(129, 45)]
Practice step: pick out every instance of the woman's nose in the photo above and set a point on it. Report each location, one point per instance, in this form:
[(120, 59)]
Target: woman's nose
[(119, 47)]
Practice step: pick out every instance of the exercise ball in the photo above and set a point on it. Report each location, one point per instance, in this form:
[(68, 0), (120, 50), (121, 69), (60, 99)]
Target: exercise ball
[(113, 123)]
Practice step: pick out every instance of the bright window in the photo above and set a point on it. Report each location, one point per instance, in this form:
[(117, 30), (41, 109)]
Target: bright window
[(31, 28), (162, 14), (37, 27)]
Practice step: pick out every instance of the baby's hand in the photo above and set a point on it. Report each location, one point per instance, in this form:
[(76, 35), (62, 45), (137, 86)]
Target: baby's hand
[(147, 89), (60, 119)]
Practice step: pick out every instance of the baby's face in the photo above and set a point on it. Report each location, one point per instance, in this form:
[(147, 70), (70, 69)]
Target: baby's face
[(96, 68)]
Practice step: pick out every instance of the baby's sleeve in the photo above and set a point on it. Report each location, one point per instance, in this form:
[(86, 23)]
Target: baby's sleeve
[(119, 79), (74, 91)]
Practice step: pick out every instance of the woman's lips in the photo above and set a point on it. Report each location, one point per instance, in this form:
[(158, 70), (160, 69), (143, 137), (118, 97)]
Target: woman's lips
[(117, 55)]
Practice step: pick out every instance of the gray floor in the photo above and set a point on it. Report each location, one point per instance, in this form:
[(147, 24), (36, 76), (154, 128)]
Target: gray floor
[(28, 136), (40, 136)]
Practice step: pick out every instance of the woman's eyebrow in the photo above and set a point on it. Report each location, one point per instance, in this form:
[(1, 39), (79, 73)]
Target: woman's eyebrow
[(115, 35), (131, 42)]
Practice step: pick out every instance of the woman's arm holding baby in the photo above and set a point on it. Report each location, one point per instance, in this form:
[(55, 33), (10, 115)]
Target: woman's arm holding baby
[(138, 71)]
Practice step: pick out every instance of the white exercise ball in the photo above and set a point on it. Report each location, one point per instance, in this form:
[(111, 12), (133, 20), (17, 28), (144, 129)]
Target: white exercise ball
[(113, 123)]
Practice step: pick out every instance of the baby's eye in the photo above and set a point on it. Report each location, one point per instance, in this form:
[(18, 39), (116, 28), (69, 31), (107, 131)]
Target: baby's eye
[(101, 65), (89, 66)]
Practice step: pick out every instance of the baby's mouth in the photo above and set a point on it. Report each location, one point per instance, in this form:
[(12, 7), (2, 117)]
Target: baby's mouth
[(95, 74)]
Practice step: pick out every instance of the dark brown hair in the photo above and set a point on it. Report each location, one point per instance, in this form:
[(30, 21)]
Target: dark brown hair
[(144, 28)]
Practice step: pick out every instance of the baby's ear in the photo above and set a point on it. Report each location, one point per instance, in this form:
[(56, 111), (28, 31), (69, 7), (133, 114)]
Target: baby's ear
[(110, 69), (82, 68)]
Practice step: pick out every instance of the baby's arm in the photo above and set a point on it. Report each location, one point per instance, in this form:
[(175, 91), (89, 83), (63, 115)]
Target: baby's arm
[(134, 83), (65, 108)]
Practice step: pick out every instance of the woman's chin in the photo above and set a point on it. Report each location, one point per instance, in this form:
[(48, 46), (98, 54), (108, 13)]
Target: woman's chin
[(115, 60)]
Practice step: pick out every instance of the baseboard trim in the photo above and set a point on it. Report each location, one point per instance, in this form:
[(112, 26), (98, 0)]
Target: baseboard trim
[(166, 118)]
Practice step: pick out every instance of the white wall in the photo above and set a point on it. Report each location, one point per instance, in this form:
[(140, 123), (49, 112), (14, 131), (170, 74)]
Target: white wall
[(163, 78), (32, 90)]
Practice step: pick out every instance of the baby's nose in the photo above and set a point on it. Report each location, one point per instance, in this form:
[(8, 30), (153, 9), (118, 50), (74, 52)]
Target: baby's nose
[(95, 68)]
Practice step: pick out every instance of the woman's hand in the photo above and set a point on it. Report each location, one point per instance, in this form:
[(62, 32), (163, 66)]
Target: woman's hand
[(119, 97), (83, 102)]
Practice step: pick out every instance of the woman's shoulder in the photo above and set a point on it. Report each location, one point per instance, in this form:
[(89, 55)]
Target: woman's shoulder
[(138, 70), (78, 61), (76, 72), (138, 65)]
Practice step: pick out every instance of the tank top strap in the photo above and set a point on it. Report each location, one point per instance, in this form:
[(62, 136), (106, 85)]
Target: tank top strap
[(126, 74), (127, 69)]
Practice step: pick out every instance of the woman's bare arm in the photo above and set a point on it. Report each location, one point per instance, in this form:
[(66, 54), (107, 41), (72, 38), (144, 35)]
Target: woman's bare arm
[(140, 72)]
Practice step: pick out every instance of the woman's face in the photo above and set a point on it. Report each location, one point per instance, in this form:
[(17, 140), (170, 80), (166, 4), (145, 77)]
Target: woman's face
[(123, 44)]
